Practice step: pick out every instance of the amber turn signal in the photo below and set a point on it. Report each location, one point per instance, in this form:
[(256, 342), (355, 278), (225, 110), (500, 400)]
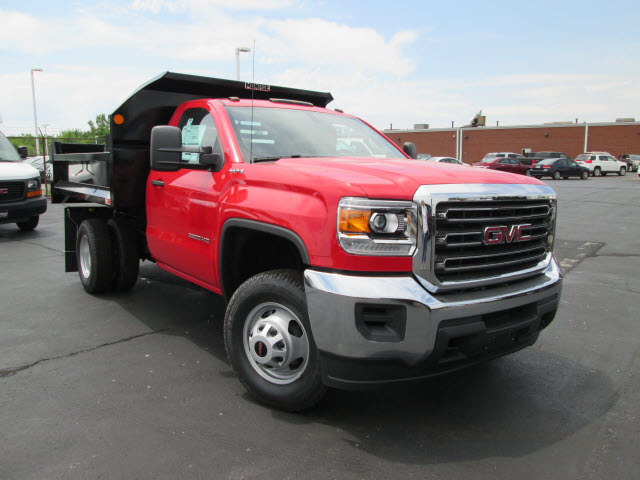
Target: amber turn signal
[(354, 221), (34, 193)]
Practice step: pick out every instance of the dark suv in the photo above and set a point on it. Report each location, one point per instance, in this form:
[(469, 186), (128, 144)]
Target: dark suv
[(558, 168)]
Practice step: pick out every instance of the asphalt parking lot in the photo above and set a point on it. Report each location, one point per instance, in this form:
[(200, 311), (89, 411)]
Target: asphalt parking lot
[(136, 385)]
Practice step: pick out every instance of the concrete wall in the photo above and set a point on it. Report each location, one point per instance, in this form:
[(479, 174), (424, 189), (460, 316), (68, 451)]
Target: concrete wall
[(615, 138)]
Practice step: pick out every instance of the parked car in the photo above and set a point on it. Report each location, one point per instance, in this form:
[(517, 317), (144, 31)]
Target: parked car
[(21, 200), (446, 160), (532, 158), (601, 164), (423, 156), (558, 168), (633, 161), (493, 155), (505, 165)]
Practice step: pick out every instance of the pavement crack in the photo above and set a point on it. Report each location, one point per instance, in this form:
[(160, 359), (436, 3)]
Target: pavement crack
[(8, 372)]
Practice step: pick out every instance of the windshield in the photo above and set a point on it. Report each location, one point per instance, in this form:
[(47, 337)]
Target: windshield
[(547, 162), (273, 133), (7, 152)]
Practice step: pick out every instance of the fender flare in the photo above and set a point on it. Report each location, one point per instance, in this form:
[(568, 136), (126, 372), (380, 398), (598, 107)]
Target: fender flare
[(258, 227)]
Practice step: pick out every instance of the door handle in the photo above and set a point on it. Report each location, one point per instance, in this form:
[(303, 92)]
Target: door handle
[(157, 183)]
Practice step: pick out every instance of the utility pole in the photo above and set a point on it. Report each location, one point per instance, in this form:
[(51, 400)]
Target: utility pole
[(35, 115)]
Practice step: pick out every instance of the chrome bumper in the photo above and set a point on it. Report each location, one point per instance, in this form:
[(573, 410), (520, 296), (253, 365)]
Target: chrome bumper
[(333, 300)]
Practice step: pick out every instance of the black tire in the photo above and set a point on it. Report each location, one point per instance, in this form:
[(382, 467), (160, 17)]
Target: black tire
[(95, 257), (597, 172), (584, 175), (29, 224), (126, 260), (622, 172), (281, 288), (556, 175), (527, 172)]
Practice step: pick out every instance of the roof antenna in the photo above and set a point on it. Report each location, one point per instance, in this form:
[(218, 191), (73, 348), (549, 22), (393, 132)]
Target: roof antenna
[(253, 81)]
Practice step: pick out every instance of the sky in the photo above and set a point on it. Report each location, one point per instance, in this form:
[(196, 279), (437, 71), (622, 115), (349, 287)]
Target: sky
[(390, 63)]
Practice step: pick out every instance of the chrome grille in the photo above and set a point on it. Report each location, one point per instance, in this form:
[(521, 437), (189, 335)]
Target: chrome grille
[(11, 191), (460, 253)]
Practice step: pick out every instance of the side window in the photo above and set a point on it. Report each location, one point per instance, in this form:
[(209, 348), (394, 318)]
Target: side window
[(198, 130), (593, 157), (503, 161)]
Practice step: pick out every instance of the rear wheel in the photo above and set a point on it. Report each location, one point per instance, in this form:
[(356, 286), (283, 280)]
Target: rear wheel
[(597, 172), (29, 224), (556, 175), (94, 256), (527, 172), (269, 344), (622, 172), (584, 175)]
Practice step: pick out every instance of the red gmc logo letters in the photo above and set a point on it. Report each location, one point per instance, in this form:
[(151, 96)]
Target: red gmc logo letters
[(504, 234), (4, 190)]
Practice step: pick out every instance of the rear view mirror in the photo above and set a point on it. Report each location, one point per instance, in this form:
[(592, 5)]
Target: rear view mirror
[(166, 143), (410, 149), (23, 152), (167, 149)]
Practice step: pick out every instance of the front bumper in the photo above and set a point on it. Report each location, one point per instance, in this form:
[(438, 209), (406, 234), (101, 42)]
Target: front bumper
[(372, 330), (22, 210)]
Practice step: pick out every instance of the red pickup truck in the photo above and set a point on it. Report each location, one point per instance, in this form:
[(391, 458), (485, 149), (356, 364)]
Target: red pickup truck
[(341, 268)]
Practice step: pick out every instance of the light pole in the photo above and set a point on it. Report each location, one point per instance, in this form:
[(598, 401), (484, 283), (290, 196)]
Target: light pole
[(238, 50), (35, 115)]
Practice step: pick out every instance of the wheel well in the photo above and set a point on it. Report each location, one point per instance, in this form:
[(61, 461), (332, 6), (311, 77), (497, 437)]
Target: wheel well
[(245, 252)]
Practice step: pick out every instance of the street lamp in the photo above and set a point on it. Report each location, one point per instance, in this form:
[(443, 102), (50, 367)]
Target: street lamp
[(35, 115), (238, 50)]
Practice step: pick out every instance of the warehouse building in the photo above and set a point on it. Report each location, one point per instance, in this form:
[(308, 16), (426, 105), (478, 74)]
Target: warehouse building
[(470, 144)]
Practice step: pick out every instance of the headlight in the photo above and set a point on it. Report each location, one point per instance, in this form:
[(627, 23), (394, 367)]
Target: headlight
[(33, 187), (377, 227)]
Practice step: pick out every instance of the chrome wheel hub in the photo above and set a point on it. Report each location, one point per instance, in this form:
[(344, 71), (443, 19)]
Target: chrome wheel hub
[(276, 343), (85, 257)]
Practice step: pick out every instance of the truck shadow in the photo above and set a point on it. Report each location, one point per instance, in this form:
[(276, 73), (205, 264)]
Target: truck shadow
[(506, 408)]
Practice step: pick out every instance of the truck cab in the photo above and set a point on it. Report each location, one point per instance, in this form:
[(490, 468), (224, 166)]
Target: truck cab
[(21, 200), (341, 269)]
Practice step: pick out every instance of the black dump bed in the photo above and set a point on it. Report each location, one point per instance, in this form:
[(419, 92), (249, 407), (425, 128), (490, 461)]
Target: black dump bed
[(115, 174)]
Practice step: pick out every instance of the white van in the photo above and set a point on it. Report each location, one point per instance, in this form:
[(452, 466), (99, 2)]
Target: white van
[(21, 200)]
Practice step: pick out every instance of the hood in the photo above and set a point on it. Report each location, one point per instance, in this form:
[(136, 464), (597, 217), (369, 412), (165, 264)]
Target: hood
[(397, 178), (17, 171)]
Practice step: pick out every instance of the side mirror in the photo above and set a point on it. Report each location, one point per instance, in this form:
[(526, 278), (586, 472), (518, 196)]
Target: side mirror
[(167, 149), (410, 149), (165, 153), (23, 152)]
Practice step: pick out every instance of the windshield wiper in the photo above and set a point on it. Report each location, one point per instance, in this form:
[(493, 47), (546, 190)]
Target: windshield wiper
[(273, 158)]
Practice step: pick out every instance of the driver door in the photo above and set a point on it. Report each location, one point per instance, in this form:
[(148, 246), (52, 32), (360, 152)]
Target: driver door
[(182, 205)]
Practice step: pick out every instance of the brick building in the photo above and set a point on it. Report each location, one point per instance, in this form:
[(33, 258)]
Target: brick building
[(472, 143)]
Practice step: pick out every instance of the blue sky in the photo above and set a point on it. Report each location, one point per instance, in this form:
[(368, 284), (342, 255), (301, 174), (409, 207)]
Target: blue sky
[(390, 63)]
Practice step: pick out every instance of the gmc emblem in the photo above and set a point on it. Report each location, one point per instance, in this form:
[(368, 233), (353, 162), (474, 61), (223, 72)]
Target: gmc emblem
[(498, 235)]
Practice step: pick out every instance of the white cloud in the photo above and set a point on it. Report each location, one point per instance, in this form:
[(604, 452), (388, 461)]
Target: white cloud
[(199, 6)]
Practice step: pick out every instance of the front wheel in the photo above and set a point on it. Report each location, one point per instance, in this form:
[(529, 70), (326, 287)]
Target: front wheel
[(269, 344), (597, 172), (29, 224), (622, 172)]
